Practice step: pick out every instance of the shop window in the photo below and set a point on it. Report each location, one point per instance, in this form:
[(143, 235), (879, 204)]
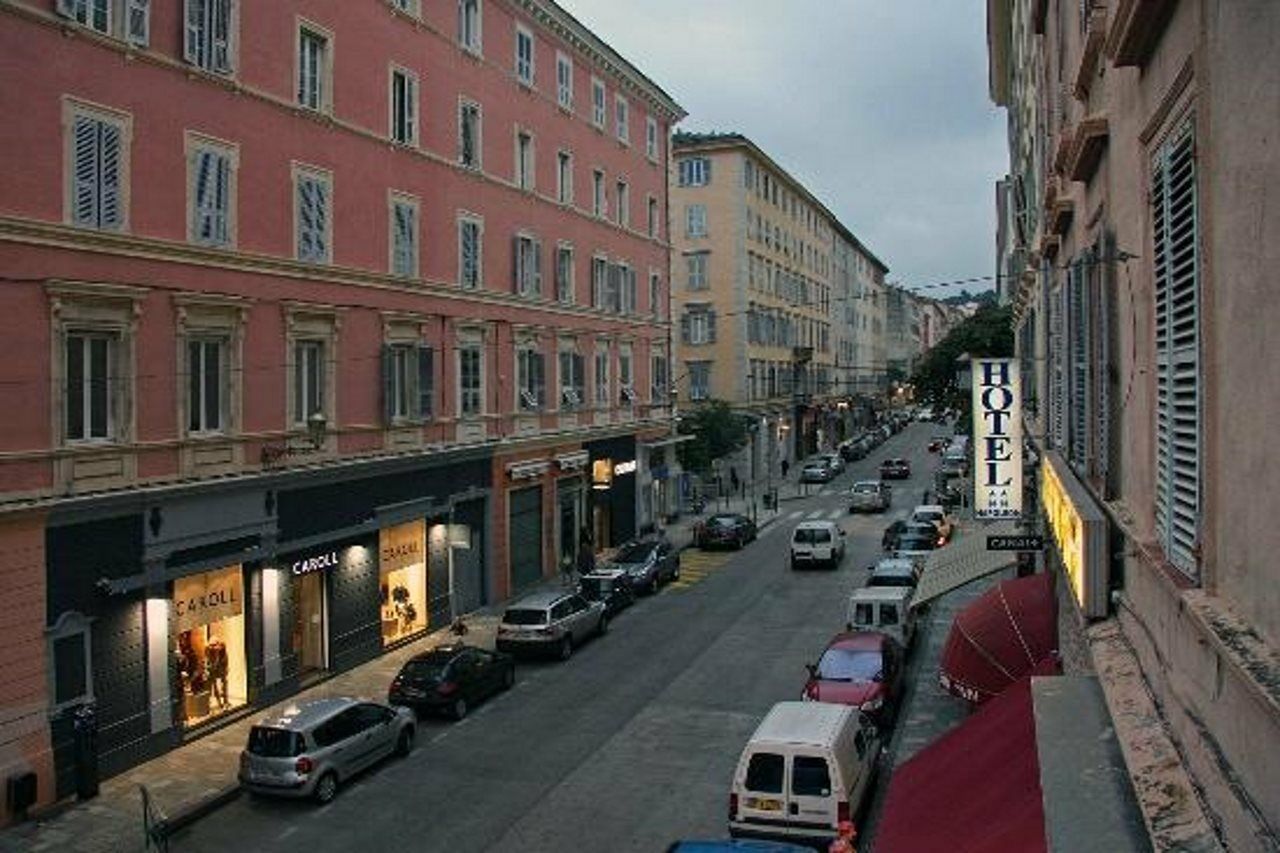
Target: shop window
[(209, 644), (402, 580), (70, 644)]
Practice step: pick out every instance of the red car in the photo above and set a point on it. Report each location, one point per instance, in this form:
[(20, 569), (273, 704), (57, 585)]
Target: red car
[(859, 668)]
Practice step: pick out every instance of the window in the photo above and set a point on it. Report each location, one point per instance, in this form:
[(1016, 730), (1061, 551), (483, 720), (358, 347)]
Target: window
[(564, 274), (564, 177), (531, 379), (695, 220), (308, 380), (597, 103), (314, 69), (696, 265), (699, 379), (404, 236), (597, 192), (98, 166), (211, 190), (625, 386), (524, 55), (624, 204), (658, 377), (765, 773), (404, 107), (572, 379), (312, 218), (695, 172), (602, 376), (528, 266), (469, 134), (470, 379), (651, 138), (70, 643), (651, 205), (626, 289), (810, 777), (208, 41), (1176, 261), (92, 395), (470, 252), (622, 119), (564, 81), (524, 160), (657, 302), (409, 7), (469, 25), (207, 385), (599, 282), (129, 20), (408, 382), (698, 326)]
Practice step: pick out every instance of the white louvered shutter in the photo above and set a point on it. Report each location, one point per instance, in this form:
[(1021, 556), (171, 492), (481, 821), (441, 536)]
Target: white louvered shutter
[(85, 171)]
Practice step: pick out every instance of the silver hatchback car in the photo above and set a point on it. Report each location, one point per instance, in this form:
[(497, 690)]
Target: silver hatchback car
[(310, 748)]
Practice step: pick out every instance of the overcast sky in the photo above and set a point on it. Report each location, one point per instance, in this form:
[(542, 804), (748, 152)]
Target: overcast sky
[(879, 107)]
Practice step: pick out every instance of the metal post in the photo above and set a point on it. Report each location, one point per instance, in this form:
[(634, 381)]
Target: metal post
[(448, 544)]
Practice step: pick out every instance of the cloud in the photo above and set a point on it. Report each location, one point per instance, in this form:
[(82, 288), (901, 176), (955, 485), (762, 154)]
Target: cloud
[(879, 108)]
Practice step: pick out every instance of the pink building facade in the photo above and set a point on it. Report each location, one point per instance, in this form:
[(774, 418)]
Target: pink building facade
[(320, 322)]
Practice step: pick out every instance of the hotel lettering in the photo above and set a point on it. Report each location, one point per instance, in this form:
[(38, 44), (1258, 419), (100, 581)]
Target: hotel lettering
[(997, 432)]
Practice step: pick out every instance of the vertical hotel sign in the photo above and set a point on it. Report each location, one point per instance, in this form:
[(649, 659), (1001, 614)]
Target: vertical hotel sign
[(997, 432)]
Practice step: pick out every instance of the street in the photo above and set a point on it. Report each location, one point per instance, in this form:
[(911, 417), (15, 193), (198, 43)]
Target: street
[(630, 744)]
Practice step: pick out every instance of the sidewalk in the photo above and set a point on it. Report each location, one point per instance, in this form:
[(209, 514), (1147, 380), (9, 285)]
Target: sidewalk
[(680, 531)]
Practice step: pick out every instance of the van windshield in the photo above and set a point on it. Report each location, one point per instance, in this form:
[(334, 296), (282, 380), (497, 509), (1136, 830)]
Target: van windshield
[(811, 536)]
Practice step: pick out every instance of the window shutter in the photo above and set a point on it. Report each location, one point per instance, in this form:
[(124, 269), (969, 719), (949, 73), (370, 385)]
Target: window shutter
[(711, 327), (410, 109), (204, 212), (1079, 361), (537, 267), (222, 204), (685, 332), (67, 8), (191, 46), (221, 33), (517, 266), (138, 22), (85, 186), (388, 384), (540, 378), (110, 214), (426, 381), (321, 220)]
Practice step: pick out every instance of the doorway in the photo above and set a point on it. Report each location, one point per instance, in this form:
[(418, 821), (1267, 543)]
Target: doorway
[(309, 623)]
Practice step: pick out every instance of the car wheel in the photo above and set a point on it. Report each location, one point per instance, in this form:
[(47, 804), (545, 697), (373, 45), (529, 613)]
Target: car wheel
[(404, 743), (459, 708), (326, 788), (675, 572), (602, 627), (566, 648), (509, 678)]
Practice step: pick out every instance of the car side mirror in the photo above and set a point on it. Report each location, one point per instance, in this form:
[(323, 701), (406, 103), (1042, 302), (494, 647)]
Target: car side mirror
[(813, 670)]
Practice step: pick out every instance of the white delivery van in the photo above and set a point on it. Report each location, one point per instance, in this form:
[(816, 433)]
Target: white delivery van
[(808, 767), (817, 543), (886, 609)]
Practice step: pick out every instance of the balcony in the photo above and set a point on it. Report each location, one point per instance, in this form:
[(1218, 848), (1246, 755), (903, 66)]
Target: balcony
[(1060, 216), (1062, 152), (1095, 36), (1086, 148), (1136, 30)]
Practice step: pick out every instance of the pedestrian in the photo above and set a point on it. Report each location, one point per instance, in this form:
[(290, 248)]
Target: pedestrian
[(786, 466), (733, 480)]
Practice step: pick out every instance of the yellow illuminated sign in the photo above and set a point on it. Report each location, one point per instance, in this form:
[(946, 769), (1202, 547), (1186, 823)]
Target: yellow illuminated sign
[(1067, 528)]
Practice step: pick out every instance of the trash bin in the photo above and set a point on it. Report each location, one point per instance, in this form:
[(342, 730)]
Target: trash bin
[(86, 751)]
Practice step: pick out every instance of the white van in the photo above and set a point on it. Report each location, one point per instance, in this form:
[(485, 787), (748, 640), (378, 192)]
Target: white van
[(817, 542), (808, 767), (886, 609)]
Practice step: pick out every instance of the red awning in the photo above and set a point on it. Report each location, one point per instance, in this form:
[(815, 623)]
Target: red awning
[(1007, 633), (975, 790)]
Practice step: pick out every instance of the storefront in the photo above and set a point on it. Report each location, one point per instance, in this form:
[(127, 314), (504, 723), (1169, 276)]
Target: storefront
[(402, 581), (209, 644), (330, 608), (524, 521), (613, 491), (571, 507)]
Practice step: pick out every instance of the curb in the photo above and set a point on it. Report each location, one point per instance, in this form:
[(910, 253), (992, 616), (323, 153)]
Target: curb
[(195, 811)]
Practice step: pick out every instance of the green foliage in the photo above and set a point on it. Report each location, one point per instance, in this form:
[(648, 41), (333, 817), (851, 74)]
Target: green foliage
[(987, 334), (717, 431)]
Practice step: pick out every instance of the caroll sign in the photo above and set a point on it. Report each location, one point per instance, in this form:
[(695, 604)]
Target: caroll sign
[(997, 433)]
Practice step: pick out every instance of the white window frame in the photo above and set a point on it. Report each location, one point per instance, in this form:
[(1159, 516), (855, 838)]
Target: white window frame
[(210, 30), (651, 216), (303, 173), (697, 274), (622, 119), (113, 349), (623, 191), (700, 324), (477, 160), (306, 350), (525, 160), (599, 199), (466, 220), (530, 394), (566, 288), (695, 220), (564, 81), (599, 103), (564, 176), (321, 75), (403, 111), (572, 390), (70, 625), (651, 138), (700, 369), (197, 404), (471, 29), (126, 20), (471, 401), (694, 171), (655, 295), (104, 215), (599, 281), (397, 201), (201, 215), (528, 265), (524, 66), (603, 379), (626, 376), (659, 392)]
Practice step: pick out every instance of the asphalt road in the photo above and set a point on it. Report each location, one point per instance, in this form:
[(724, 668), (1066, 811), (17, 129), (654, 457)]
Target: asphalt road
[(629, 745)]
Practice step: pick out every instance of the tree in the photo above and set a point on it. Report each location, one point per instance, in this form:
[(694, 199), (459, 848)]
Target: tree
[(987, 334), (717, 432)]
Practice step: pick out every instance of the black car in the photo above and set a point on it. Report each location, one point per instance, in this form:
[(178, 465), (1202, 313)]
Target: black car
[(647, 563), (451, 679), (889, 541), (895, 469), (853, 450), (610, 586), (724, 528)]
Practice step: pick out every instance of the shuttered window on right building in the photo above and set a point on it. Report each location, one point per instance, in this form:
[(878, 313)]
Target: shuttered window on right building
[(1176, 264)]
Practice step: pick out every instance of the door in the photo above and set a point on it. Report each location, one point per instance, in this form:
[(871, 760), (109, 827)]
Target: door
[(526, 536), (376, 736), (308, 628), (568, 523), (764, 797), (812, 800)]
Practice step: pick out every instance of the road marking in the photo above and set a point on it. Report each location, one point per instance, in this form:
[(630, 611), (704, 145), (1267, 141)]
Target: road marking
[(795, 514), (835, 513), (444, 734), (813, 514), (288, 830)]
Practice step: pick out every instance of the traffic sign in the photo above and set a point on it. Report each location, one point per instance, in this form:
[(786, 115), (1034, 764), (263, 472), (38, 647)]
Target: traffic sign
[(1015, 543)]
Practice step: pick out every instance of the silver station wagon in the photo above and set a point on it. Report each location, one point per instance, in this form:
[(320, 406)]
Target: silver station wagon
[(310, 748)]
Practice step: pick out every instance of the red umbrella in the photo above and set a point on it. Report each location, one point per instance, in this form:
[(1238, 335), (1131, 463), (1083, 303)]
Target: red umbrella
[(1007, 633)]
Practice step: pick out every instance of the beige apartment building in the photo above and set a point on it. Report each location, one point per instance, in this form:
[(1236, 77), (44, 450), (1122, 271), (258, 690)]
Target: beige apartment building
[(758, 305)]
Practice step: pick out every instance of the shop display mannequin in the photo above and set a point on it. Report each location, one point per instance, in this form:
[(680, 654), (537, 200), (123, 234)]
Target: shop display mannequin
[(215, 656)]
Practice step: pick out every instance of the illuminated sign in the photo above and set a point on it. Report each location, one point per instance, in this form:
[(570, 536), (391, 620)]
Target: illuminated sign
[(206, 598), (315, 564), (624, 468), (1079, 533), (997, 434)]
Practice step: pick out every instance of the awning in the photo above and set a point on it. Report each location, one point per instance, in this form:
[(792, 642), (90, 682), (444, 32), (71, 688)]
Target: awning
[(666, 441), (1008, 632), (965, 559), (976, 789)]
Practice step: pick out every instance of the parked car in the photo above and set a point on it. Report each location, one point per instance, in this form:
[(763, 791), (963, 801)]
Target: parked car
[(648, 562), (853, 450), (817, 471), (895, 468), (736, 846), (609, 585), (886, 609), (817, 542), (554, 621), (925, 413), (916, 546), (451, 679), (806, 769), (835, 460), (859, 668), (938, 443), (724, 528), (889, 540), (895, 571), (310, 748), (870, 496), (937, 514)]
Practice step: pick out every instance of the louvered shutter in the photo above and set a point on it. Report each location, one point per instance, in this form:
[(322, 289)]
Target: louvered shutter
[(388, 384), (686, 334), (711, 327), (426, 381), (536, 273), (540, 378), (306, 219), (109, 204), (1177, 338), (321, 220), (138, 22), (1079, 359), (221, 33), (85, 178), (192, 43)]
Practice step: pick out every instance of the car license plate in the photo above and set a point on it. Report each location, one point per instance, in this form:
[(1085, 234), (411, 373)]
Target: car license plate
[(764, 804)]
